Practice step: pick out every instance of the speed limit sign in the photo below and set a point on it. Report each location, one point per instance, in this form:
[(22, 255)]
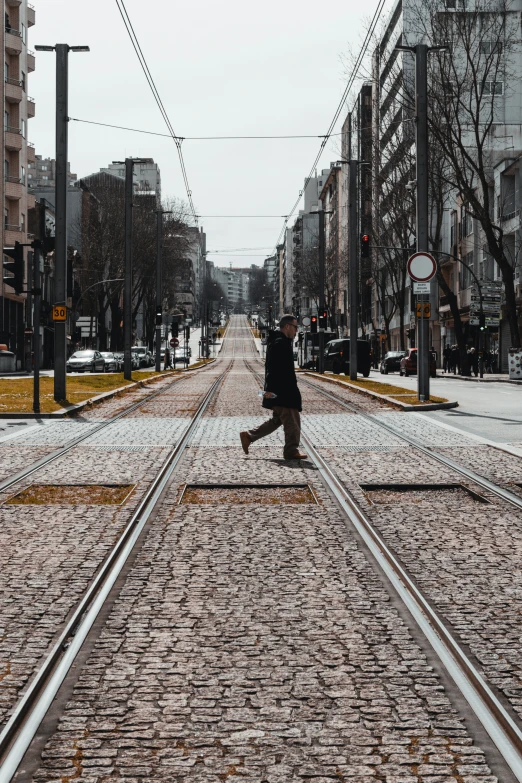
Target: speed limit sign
[(174, 342), (59, 313)]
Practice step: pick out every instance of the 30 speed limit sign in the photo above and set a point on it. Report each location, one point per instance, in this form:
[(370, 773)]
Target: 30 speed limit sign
[(59, 313)]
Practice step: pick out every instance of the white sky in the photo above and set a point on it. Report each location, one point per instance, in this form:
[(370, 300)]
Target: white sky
[(222, 68)]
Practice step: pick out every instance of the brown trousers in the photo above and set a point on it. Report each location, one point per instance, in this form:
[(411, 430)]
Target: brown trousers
[(290, 420)]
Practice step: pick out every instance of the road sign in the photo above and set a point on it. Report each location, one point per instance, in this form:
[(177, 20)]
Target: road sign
[(422, 267), (421, 288), (59, 313), (174, 342), (423, 310), (305, 320)]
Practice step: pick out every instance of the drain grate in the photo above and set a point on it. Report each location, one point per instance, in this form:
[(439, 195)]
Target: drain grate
[(421, 493), (72, 495), (242, 494), (122, 448)]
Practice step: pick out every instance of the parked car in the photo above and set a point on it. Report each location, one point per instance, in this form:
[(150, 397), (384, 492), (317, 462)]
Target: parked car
[(391, 362), (111, 363), (120, 360), (337, 357), (86, 361), (145, 357), (408, 364)]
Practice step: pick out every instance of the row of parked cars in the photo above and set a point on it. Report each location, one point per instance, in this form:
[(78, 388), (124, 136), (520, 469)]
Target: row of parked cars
[(405, 363), (90, 360)]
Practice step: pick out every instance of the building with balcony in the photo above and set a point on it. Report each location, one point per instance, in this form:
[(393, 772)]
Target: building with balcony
[(18, 153), (147, 176)]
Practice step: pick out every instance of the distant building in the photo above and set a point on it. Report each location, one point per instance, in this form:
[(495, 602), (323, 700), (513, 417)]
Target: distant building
[(42, 173), (147, 176)]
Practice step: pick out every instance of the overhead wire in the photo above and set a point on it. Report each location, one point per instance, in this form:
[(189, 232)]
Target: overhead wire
[(143, 62), (338, 111)]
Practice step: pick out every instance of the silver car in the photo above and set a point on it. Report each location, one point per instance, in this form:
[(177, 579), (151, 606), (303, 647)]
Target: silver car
[(111, 362), (86, 361)]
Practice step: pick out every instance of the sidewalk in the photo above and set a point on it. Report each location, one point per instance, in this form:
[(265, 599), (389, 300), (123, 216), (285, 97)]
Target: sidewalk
[(488, 378)]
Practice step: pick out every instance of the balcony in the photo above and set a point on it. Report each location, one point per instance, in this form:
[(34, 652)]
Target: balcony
[(13, 188), (13, 90), (13, 139), (31, 15), (12, 234), (31, 154), (13, 41), (464, 298), (31, 107), (31, 64), (13, 3)]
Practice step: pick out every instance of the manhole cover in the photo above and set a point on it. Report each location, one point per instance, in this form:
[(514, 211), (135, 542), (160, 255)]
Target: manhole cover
[(421, 493), (264, 494), (73, 494)]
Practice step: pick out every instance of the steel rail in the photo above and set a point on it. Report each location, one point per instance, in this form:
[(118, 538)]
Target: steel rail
[(23, 724), (34, 466), (498, 723), (503, 494)]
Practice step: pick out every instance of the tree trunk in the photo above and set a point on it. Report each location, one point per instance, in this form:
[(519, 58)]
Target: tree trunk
[(511, 307)]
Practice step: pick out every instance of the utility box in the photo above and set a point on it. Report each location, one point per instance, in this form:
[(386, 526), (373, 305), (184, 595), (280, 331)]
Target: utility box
[(7, 361)]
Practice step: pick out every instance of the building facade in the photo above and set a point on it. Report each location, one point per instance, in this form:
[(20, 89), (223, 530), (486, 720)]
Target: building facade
[(42, 173), (19, 108)]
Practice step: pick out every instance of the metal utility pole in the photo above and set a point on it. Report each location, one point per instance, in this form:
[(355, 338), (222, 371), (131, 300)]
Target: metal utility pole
[(38, 257), (159, 284), (322, 262), (354, 265), (60, 262), (421, 111), (127, 286)]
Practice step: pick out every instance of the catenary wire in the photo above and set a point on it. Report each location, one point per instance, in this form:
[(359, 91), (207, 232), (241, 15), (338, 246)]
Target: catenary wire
[(199, 138), (338, 111), (137, 48)]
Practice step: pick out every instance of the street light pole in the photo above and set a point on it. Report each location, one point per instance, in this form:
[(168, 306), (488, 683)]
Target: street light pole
[(60, 259), (322, 263), (127, 286), (354, 265), (159, 284)]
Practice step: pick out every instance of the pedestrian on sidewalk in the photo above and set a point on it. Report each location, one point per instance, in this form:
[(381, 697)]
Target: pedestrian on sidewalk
[(455, 359), (473, 360), (446, 359), (168, 364), (282, 395)]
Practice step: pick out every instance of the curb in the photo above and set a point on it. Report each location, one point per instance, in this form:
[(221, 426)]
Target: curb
[(95, 400), (451, 377), (403, 406)]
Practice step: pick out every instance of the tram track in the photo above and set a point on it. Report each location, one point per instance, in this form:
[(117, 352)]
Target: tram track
[(499, 723), (22, 725), (32, 468)]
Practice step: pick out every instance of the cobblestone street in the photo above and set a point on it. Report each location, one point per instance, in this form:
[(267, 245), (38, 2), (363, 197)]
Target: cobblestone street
[(260, 641)]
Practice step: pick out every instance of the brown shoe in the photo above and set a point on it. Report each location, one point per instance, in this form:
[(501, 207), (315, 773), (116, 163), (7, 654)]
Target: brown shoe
[(298, 456), (246, 440)]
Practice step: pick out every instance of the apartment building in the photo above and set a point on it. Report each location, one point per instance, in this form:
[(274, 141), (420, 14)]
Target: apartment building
[(42, 173), (147, 176), (19, 108)]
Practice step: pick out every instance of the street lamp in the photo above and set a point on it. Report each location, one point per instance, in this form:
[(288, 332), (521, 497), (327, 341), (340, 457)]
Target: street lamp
[(60, 257)]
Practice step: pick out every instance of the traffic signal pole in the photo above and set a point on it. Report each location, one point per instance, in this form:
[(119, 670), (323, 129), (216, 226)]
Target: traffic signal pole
[(354, 264), (127, 290), (159, 297)]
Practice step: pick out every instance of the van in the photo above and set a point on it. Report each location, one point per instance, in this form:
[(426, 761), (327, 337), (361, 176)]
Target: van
[(337, 357)]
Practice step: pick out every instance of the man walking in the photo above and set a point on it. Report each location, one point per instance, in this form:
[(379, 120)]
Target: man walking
[(282, 395)]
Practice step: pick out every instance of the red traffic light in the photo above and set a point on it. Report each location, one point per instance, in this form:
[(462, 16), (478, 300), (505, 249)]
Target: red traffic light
[(365, 246)]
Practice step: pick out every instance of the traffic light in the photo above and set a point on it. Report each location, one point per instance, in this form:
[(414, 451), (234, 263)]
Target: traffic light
[(187, 332), (313, 325), (323, 319), (159, 316), (482, 321), (16, 267), (174, 328), (365, 246)]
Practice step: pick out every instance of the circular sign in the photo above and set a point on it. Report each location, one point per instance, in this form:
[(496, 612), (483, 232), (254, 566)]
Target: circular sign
[(422, 267), (306, 321), (174, 342)]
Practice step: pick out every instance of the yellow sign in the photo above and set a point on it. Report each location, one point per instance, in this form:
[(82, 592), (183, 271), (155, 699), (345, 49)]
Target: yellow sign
[(423, 310), (59, 313)]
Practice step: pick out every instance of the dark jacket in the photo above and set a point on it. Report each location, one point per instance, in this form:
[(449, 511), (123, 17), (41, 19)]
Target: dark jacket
[(280, 373)]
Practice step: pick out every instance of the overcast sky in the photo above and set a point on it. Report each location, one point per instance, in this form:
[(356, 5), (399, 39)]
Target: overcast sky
[(221, 68)]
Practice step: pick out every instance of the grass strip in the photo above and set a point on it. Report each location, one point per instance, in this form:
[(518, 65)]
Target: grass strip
[(394, 392)]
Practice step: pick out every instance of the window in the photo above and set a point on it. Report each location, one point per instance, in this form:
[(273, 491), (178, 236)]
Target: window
[(465, 273), (6, 217), (24, 33), (22, 174), (23, 128), (23, 81), (44, 177), (6, 120), (22, 223), (6, 168), (44, 168), (490, 47), (467, 222), (6, 71), (493, 88)]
